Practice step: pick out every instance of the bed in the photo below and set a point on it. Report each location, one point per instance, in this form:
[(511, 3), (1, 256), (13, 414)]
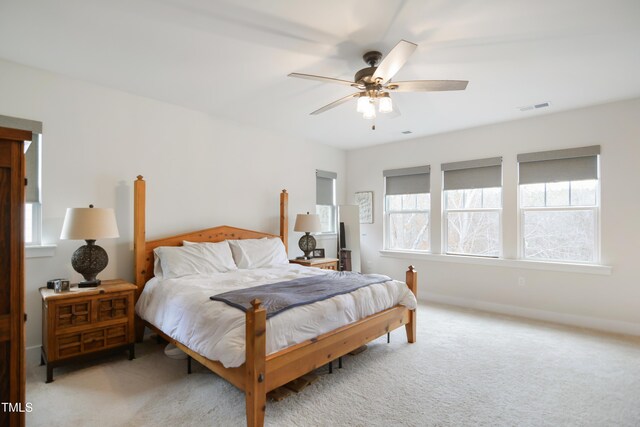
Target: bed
[(257, 361)]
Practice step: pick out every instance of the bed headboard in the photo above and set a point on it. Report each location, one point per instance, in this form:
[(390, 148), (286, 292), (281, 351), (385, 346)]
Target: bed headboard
[(143, 250)]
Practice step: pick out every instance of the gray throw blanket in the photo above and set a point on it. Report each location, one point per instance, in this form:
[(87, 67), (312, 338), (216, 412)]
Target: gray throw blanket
[(278, 297)]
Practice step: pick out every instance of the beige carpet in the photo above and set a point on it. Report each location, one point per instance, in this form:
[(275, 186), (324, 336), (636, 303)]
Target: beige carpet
[(467, 368)]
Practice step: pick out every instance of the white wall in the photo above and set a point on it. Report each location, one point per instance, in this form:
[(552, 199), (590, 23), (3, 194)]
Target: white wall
[(605, 302), (201, 171)]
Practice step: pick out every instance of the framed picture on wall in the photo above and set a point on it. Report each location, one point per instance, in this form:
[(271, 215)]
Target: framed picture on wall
[(364, 200)]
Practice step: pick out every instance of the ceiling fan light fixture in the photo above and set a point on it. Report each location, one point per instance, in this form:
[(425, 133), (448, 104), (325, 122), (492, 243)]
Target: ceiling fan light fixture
[(385, 105), (363, 101), (369, 112), (373, 84)]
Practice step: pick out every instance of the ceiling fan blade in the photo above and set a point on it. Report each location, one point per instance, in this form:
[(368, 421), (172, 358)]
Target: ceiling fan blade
[(335, 103), (321, 79), (427, 85), (394, 61)]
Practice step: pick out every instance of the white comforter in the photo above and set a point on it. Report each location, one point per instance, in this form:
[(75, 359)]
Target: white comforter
[(181, 308)]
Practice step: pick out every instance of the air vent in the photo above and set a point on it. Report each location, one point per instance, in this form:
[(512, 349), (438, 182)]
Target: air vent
[(534, 106), (406, 132)]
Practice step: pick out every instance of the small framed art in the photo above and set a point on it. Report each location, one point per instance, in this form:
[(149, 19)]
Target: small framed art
[(318, 253)]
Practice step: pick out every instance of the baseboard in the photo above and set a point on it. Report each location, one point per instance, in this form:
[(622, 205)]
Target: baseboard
[(606, 325)]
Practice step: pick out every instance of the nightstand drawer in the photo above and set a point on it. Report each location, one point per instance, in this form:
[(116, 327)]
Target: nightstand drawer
[(69, 345), (73, 314), (113, 308), (117, 335), (96, 339)]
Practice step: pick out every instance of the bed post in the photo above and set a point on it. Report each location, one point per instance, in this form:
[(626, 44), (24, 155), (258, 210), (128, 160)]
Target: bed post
[(254, 389), (412, 283), (284, 219), (139, 200)]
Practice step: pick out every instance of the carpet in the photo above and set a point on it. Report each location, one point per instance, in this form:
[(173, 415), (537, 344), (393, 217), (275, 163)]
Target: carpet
[(468, 368)]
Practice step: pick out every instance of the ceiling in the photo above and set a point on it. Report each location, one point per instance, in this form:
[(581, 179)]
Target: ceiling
[(231, 58)]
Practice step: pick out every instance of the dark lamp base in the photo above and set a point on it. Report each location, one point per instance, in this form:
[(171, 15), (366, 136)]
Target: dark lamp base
[(89, 283), (307, 244), (89, 260)]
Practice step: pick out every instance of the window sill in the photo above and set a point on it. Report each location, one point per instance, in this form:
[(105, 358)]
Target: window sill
[(39, 251), (603, 270), (324, 236)]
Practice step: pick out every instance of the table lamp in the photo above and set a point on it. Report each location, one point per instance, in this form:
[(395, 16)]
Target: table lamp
[(307, 223), (89, 224)]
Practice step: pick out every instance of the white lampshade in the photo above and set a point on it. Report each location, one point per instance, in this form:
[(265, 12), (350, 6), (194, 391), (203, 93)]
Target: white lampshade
[(385, 104), (89, 224), (308, 223), (369, 111), (363, 100)]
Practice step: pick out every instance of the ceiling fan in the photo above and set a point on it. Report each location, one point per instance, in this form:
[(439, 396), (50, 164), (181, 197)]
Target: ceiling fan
[(374, 83)]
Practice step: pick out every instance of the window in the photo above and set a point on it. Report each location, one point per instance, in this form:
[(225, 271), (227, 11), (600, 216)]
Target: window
[(473, 207), (32, 209), (559, 205), (407, 205), (326, 200)]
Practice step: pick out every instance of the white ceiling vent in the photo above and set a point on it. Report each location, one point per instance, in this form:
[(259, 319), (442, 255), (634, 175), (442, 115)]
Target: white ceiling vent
[(535, 106)]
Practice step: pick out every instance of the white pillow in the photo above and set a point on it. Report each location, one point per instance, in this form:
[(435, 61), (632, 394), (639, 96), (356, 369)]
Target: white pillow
[(219, 254), (179, 261), (157, 266), (255, 253)]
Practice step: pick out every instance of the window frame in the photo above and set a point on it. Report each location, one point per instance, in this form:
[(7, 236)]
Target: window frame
[(36, 224), (597, 258), (334, 208), (445, 222), (36, 207), (386, 224)]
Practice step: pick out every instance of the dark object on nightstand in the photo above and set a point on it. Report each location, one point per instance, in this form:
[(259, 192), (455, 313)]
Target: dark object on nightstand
[(345, 260), (89, 224), (82, 323), (89, 260), (51, 284), (307, 223)]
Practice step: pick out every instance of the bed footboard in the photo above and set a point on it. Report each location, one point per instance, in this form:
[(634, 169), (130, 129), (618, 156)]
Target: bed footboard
[(255, 364), (266, 373), (412, 283)]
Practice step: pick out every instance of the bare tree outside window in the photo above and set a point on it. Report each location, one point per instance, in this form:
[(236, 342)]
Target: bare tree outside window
[(560, 221), (408, 221), (472, 219)]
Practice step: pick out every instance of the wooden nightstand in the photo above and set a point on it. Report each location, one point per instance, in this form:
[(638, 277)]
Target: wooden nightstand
[(323, 263), (84, 322)]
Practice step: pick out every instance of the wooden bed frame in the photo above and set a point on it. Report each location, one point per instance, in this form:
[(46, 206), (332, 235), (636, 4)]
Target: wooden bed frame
[(262, 373)]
